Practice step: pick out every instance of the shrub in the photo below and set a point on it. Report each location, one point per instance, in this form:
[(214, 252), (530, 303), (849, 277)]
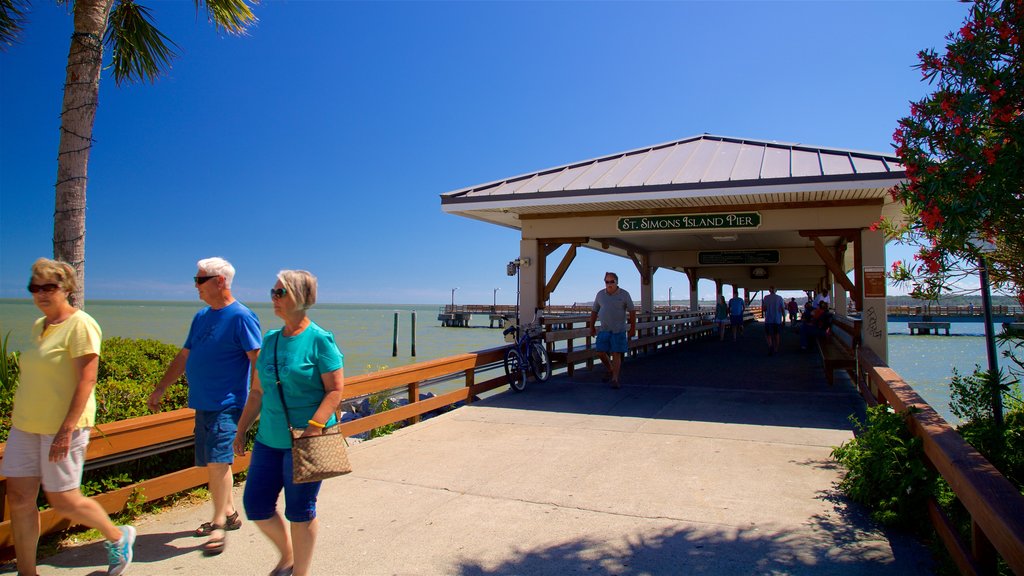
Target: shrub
[(884, 469), (128, 371)]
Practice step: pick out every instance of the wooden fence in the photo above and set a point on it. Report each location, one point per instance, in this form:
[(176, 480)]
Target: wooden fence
[(478, 372), (995, 505)]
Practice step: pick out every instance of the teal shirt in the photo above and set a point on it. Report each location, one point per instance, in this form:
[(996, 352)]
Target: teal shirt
[(301, 360)]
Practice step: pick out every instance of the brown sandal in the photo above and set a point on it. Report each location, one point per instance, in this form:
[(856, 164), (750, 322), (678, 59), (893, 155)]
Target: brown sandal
[(232, 523), (215, 545)]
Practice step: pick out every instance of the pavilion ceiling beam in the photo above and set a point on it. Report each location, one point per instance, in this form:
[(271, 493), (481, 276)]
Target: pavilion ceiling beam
[(833, 266), (563, 267), (549, 245)]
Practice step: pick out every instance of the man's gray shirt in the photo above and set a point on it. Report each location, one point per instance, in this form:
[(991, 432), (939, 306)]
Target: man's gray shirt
[(612, 309)]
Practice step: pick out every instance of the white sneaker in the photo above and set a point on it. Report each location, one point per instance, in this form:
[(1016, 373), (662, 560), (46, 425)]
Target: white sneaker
[(119, 554)]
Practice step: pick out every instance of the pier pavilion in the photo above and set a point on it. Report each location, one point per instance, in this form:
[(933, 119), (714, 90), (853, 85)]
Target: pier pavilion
[(741, 212)]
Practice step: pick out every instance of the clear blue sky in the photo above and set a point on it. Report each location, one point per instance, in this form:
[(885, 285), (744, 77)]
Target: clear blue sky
[(323, 139)]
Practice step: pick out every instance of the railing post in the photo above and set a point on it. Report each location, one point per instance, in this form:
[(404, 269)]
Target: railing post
[(470, 379), (414, 396), (982, 550)]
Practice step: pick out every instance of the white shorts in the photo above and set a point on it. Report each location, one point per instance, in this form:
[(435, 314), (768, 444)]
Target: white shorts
[(27, 455)]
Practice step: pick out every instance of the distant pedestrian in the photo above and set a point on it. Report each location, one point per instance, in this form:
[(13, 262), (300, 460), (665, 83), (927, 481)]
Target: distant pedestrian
[(821, 297), (721, 316), (611, 306), (773, 309), (302, 363), (794, 311), (222, 345), (54, 411), (736, 307), (818, 325)]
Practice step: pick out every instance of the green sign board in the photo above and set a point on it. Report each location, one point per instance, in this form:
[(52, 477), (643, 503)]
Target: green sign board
[(738, 257), (729, 221)]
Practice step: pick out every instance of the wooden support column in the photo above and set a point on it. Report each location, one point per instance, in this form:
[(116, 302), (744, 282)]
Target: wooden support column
[(839, 296), (874, 328), (691, 275), (531, 279), (858, 275), (647, 283)]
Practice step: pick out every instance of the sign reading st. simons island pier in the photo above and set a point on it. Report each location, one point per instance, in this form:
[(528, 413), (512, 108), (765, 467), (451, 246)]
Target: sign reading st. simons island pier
[(730, 221)]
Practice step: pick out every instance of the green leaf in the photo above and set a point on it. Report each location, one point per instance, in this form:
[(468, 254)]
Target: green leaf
[(139, 51), (234, 16)]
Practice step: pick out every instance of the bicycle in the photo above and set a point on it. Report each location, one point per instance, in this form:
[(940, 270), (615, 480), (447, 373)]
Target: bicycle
[(528, 351)]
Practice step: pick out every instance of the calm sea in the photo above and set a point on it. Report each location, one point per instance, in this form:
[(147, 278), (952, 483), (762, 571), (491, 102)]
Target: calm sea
[(364, 333)]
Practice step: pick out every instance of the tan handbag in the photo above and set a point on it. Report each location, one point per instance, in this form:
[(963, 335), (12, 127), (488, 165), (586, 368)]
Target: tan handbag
[(319, 457)]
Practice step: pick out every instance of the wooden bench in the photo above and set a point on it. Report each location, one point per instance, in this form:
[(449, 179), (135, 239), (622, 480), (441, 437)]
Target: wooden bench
[(839, 349)]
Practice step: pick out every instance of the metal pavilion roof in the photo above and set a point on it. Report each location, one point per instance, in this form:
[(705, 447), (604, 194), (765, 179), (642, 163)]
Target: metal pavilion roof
[(696, 172)]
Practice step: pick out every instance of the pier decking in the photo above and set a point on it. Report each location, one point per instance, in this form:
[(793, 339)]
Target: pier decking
[(712, 459)]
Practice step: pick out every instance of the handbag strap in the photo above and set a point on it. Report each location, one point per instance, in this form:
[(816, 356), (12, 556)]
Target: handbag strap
[(280, 389)]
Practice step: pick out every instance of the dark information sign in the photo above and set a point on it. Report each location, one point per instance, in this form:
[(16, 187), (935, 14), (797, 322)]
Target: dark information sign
[(729, 221), (739, 257)]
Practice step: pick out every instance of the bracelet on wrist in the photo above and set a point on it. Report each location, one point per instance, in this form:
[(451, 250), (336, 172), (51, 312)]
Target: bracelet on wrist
[(317, 424)]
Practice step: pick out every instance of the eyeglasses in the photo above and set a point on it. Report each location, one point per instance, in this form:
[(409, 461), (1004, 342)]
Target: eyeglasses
[(44, 288), (200, 279), (611, 282), (278, 292)]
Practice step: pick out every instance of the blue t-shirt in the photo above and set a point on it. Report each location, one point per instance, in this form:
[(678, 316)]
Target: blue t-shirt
[(217, 366), (773, 306), (301, 361), (736, 306)]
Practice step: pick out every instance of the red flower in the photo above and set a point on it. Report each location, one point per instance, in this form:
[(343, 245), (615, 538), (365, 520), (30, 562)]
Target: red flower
[(972, 180), (931, 217)]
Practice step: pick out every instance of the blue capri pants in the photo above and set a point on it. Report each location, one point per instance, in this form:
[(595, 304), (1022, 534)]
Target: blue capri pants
[(270, 471)]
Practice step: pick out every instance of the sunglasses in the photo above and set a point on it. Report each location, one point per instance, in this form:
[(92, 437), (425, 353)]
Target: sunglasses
[(610, 282), (278, 292), (44, 288), (200, 279)]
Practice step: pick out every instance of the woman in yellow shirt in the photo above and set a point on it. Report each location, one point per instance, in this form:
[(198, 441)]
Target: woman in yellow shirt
[(54, 410)]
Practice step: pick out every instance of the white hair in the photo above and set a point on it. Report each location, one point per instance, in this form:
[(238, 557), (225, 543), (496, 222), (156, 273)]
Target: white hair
[(217, 266)]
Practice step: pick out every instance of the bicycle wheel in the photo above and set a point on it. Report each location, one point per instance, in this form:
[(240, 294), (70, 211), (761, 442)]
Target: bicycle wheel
[(515, 370), (540, 364)]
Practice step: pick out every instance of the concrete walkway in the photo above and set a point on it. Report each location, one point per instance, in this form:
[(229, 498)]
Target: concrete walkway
[(712, 459)]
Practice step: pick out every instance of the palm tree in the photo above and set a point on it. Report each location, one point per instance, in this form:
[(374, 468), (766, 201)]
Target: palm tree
[(138, 52)]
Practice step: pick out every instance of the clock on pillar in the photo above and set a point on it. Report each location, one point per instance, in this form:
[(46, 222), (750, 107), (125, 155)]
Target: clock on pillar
[(758, 272)]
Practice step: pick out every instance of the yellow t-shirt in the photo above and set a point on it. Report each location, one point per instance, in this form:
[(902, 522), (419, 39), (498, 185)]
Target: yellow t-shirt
[(48, 379)]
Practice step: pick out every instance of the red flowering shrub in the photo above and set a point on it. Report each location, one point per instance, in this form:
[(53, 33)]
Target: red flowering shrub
[(963, 155)]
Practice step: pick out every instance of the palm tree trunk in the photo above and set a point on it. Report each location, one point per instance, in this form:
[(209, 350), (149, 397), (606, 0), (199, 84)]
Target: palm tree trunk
[(81, 97)]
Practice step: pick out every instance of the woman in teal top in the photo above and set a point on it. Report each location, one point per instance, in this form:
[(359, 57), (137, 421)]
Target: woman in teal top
[(304, 360)]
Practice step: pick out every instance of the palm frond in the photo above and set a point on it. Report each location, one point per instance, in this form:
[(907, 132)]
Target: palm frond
[(234, 16), (12, 20), (139, 51)]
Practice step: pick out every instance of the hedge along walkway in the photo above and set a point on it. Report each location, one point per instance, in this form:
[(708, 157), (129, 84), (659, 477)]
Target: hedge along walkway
[(711, 459)]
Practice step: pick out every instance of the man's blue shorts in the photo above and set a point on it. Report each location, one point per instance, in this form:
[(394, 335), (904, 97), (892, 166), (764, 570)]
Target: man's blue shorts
[(611, 342), (736, 319), (215, 434)]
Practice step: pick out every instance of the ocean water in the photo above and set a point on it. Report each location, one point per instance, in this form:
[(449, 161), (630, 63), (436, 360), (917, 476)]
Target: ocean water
[(364, 334), (363, 331)]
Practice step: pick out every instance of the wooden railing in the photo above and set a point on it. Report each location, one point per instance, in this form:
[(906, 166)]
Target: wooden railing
[(570, 343), (995, 505)]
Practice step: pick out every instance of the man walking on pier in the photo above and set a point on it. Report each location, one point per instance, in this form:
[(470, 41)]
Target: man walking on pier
[(773, 310), (222, 345), (610, 306), (736, 306)]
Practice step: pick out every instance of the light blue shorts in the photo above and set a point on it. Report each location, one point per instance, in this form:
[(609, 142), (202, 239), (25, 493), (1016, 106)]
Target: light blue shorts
[(611, 342)]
